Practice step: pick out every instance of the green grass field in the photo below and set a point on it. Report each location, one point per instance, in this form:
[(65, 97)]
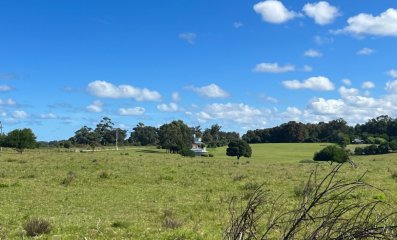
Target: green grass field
[(145, 193)]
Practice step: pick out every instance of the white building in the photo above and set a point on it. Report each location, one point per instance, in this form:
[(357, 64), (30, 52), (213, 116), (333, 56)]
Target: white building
[(198, 147)]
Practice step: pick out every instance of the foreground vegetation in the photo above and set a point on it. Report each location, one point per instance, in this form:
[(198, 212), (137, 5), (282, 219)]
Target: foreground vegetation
[(145, 193)]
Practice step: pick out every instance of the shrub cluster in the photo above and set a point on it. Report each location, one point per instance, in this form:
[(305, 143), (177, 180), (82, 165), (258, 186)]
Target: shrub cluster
[(186, 152), (373, 149), (333, 154)]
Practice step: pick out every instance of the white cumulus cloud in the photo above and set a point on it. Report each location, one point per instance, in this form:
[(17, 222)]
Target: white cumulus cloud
[(95, 107), (105, 89), (136, 111), (211, 91), (172, 107), (274, 11), (239, 113), (322, 12), (322, 106), (366, 24), (319, 83), (273, 68)]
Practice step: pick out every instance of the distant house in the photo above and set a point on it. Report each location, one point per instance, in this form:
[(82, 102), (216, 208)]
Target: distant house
[(358, 141), (198, 147)]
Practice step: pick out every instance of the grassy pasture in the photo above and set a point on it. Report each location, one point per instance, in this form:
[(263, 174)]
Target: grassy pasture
[(145, 193)]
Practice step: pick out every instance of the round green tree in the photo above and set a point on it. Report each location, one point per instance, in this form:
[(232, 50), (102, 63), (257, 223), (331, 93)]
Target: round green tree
[(20, 139), (333, 154), (239, 148)]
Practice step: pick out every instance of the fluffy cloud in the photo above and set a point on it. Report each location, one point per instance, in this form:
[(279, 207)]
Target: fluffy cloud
[(105, 89), (172, 107), (211, 91), (274, 11), (368, 85), (95, 107), (312, 53), (392, 73), (322, 106), (5, 88), (293, 111), (365, 51), (273, 68), (319, 83), (352, 106), (239, 113), (136, 111), (366, 24), (189, 37), (19, 114), (322, 12)]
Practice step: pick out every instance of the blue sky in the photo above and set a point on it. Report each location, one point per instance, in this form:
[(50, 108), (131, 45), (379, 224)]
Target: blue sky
[(242, 64)]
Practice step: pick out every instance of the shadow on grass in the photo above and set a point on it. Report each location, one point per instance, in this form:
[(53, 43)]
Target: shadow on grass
[(150, 151)]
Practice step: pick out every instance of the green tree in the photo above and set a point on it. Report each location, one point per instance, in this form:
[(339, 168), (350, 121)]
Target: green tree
[(82, 136), (332, 153), (239, 148), (20, 139), (144, 135), (175, 136), (104, 130)]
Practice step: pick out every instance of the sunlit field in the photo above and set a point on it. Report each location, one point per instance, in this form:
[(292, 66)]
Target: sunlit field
[(146, 193)]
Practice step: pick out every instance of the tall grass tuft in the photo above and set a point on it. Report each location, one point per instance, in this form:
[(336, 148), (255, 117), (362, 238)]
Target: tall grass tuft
[(169, 220), (68, 179), (36, 226)]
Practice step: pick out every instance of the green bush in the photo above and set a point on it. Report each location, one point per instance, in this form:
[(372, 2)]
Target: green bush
[(359, 151), (383, 148), (239, 148), (393, 145), (186, 152), (333, 154), (373, 149)]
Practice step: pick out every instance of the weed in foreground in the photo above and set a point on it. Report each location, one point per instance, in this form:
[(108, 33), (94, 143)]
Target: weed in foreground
[(68, 179), (36, 226), (169, 220)]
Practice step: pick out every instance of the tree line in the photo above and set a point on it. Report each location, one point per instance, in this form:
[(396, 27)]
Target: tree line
[(374, 131), (174, 136)]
